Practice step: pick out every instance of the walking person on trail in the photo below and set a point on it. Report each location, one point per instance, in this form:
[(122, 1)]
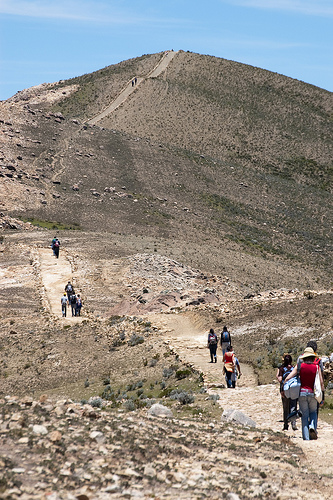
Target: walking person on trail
[(52, 244), (69, 289), (64, 302), (318, 361), (307, 401), (78, 305), (56, 248), (225, 340), (236, 373), (212, 345), (289, 405), (229, 365), (73, 303)]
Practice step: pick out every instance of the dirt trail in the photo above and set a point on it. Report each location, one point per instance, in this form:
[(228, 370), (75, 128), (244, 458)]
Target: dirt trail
[(130, 88), (262, 403), (187, 335), (55, 273)]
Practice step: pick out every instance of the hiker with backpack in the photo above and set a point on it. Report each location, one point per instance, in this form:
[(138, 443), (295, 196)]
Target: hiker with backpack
[(56, 247), (289, 405), (64, 302), (225, 340), (229, 365), (212, 345), (73, 304), (52, 244), (308, 371), (236, 373), (78, 305), (69, 289)]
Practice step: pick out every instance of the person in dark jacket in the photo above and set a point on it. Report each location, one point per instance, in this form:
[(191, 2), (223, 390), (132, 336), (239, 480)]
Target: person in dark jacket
[(288, 405), (225, 340), (212, 345)]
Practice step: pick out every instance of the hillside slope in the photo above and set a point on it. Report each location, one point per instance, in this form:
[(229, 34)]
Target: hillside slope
[(209, 154)]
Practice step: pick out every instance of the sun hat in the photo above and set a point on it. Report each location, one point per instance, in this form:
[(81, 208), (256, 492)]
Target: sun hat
[(308, 353)]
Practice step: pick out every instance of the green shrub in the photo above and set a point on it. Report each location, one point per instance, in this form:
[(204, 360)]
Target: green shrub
[(108, 394), (183, 397), (180, 374), (96, 402), (130, 405), (135, 340), (168, 372)]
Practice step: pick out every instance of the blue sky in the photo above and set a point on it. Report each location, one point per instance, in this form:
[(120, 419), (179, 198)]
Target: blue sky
[(48, 40)]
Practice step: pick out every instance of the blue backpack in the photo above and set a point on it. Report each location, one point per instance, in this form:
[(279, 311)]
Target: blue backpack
[(292, 388)]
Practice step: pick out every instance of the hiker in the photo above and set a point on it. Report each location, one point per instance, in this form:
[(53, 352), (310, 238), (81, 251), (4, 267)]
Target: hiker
[(132, 83), (78, 305), (307, 401), (212, 345), (229, 365), (135, 80), (56, 247), (72, 302), (64, 302), (236, 373), (225, 340), (318, 361), (289, 405), (69, 289), (52, 244)]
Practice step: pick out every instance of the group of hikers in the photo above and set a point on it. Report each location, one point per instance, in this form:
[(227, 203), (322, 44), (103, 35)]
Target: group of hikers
[(302, 383), (231, 366), (71, 299)]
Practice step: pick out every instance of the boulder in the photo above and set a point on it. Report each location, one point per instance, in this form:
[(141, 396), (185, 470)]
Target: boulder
[(158, 410), (237, 417)]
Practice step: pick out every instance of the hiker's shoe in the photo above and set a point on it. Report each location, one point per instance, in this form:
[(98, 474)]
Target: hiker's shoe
[(294, 425), (215, 359), (313, 433), (285, 427)]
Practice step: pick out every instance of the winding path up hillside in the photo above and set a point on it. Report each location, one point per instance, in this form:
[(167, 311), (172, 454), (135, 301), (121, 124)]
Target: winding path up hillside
[(130, 88), (187, 335)]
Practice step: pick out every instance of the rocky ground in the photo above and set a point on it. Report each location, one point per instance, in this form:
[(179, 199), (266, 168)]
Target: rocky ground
[(77, 410)]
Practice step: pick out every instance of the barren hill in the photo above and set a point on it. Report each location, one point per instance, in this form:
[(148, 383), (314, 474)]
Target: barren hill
[(209, 152), (188, 192)]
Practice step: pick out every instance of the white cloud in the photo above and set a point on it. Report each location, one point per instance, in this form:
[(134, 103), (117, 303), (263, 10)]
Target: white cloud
[(76, 10), (308, 7)]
